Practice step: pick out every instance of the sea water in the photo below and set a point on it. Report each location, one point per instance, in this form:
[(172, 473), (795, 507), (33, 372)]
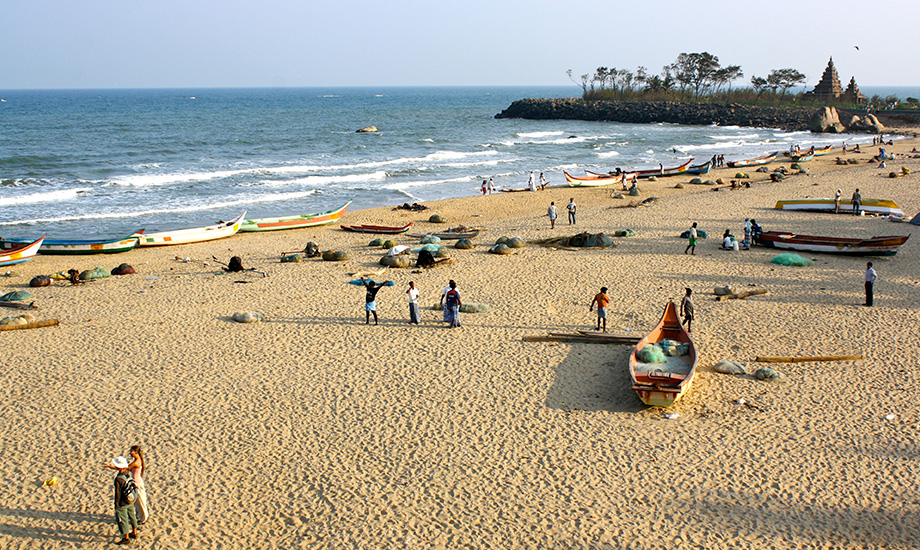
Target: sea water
[(93, 163)]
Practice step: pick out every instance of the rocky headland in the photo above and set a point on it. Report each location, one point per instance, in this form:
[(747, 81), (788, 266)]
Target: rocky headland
[(817, 119)]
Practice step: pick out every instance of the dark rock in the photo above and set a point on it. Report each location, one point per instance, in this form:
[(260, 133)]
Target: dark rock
[(40, 280), (366, 130)]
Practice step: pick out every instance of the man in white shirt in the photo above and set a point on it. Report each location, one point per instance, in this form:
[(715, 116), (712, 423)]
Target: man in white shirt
[(571, 208), (414, 317), (871, 277)]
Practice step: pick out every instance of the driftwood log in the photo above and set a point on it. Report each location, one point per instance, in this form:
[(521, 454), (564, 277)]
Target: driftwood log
[(741, 295), (581, 338), (36, 324), (19, 305), (760, 359)]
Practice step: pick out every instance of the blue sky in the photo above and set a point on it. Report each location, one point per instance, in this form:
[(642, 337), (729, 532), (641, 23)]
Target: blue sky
[(169, 43)]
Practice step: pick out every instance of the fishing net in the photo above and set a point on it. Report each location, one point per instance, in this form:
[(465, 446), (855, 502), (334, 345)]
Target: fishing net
[(651, 353), (791, 259), (473, 307)]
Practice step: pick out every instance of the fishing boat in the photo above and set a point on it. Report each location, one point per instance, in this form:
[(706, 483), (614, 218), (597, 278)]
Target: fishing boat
[(871, 206), (700, 168), (805, 157), (294, 222), (376, 228), (193, 234), (79, 246), (661, 172), (816, 152), (661, 384), (21, 254), (876, 246), (450, 235), (758, 161), (593, 179)]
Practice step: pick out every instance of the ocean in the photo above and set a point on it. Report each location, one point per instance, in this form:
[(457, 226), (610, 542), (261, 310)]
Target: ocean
[(93, 163)]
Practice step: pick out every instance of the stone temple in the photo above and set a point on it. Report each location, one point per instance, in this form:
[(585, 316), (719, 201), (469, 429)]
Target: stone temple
[(829, 90)]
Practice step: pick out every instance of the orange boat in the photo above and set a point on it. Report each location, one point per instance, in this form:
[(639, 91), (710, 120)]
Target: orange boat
[(661, 384)]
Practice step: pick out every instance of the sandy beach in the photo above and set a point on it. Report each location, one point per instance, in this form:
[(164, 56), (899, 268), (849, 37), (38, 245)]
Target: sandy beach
[(314, 430)]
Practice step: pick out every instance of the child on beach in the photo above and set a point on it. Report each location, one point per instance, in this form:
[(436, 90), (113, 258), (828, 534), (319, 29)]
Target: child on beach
[(602, 300), (551, 212), (686, 309)]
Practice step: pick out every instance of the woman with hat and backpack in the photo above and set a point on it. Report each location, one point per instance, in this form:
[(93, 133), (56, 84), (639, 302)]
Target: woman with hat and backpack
[(125, 497)]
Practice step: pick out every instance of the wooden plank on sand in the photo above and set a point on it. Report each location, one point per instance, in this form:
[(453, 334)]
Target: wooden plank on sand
[(741, 295), (807, 359), (36, 324)]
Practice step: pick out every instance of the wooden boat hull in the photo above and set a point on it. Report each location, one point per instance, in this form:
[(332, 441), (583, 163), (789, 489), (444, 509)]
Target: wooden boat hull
[(377, 228), (76, 247), (293, 222), (659, 173), (759, 161), (661, 384), (21, 254), (876, 246), (700, 169), (872, 206), (594, 179), (450, 235), (192, 235), (803, 158), (817, 152)]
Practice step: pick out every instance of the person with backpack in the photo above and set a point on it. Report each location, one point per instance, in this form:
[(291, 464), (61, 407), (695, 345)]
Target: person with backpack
[(125, 497), (452, 302)]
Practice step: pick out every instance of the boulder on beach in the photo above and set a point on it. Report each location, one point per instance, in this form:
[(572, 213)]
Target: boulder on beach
[(696, 181), (17, 296), (376, 242), (500, 248), (98, 272), (247, 317), (366, 130), (124, 269), (729, 367), (400, 261), (768, 374), (435, 218), (463, 244), (723, 290), (777, 176), (292, 258), (515, 242), (335, 255), (827, 120), (40, 280)]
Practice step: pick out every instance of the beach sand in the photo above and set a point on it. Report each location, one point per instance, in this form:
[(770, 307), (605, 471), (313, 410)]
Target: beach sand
[(314, 430)]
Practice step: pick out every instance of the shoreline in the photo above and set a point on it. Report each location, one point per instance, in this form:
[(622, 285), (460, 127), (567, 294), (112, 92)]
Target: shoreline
[(311, 429)]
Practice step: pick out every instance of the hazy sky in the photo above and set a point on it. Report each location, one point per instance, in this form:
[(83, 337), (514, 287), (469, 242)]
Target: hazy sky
[(189, 43)]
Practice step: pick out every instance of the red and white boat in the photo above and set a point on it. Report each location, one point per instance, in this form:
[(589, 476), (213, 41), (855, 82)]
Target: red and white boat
[(876, 246), (22, 254)]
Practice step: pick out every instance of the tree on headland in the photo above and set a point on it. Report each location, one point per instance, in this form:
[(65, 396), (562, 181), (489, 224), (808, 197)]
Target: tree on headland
[(783, 79), (694, 70)]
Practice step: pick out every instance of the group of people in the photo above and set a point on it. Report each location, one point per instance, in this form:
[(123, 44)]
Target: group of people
[(533, 183), (855, 200), (717, 161), (601, 300), (450, 302), (131, 507), (488, 187), (752, 230), (553, 213)]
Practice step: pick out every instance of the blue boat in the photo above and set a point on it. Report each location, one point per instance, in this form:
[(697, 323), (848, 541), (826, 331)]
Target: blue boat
[(700, 168)]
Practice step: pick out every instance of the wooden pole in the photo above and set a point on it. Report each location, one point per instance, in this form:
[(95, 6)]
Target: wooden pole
[(36, 324), (807, 359)]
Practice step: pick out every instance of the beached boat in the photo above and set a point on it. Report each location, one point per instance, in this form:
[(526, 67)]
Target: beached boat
[(876, 246), (803, 158), (594, 179), (661, 384), (700, 169), (21, 254), (294, 222), (661, 172), (377, 228), (193, 234), (816, 152), (758, 161), (79, 246), (871, 206)]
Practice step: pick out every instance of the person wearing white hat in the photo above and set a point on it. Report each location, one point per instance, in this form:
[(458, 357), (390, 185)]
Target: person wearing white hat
[(125, 496)]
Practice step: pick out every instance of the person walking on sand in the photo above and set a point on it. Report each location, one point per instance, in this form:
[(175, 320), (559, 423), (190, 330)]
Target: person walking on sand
[(491, 186), (551, 212), (370, 300), (138, 468), (453, 303), (543, 182), (856, 200), (485, 187), (686, 309), (691, 246), (444, 305), (125, 497), (602, 300), (871, 277), (532, 182), (414, 317), (837, 202), (571, 207)]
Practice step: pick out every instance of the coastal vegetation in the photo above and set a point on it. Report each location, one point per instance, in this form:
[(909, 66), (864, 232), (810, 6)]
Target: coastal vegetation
[(701, 78)]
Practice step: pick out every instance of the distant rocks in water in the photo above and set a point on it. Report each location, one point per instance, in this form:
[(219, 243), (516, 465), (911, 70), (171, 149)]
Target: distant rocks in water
[(95, 273), (435, 218), (292, 258), (729, 367), (827, 120), (500, 248), (247, 317), (366, 130), (40, 280), (868, 123), (768, 374), (335, 255), (17, 296), (399, 261), (123, 269), (463, 244)]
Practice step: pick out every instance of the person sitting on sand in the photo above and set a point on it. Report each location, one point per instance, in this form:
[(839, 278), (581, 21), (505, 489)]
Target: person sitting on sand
[(856, 149), (727, 240)]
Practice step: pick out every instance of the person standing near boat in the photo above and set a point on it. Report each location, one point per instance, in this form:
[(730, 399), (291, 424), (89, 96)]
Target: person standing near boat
[(691, 246), (686, 309), (370, 300), (837, 202), (871, 277), (856, 202), (571, 207), (414, 317), (551, 212), (602, 301)]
